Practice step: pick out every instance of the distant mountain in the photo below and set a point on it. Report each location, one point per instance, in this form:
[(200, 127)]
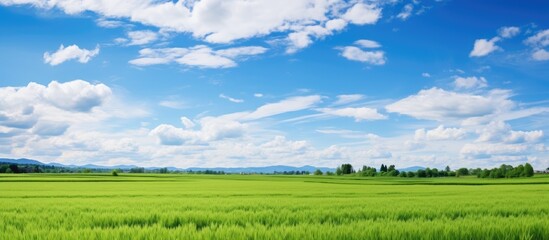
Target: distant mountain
[(267, 169), (20, 161), (411, 169)]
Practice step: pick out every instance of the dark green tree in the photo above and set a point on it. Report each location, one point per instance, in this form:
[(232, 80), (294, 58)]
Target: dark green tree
[(462, 172), (347, 168), (318, 172), (529, 170), (383, 168)]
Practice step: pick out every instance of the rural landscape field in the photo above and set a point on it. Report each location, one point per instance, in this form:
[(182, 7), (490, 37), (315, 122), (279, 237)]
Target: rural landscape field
[(274, 119), (160, 206)]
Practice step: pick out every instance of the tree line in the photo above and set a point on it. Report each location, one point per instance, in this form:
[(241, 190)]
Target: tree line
[(504, 171)]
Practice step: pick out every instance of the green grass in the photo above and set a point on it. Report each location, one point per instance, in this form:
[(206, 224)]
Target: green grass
[(148, 206)]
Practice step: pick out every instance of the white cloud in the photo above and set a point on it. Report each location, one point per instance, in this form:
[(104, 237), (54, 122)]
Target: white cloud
[(440, 105), (287, 105), (489, 150), (68, 53), (363, 14), (523, 136), (349, 134), (231, 99), (142, 37), (359, 114), (49, 111), (188, 123), (483, 47), (48, 128), (109, 23), (226, 126), (540, 55), (357, 54), (336, 24), (77, 95), (258, 95), (406, 12), (211, 129), (376, 153), (365, 43), (508, 32), (197, 56), (541, 39), (439, 133), (175, 104), (499, 131), (218, 21), (470, 82), (281, 144), (426, 75), (348, 98)]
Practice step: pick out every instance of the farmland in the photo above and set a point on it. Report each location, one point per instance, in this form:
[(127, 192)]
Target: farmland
[(171, 206)]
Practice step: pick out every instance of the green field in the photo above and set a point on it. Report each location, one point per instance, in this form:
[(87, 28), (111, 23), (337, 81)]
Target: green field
[(169, 206)]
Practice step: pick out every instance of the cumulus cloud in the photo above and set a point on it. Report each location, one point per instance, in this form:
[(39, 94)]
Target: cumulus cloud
[(541, 39), (142, 37), (64, 54), (538, 42), (439, 133), (483, 47), (499, 131), (362, 14), (73, 96), (218, 21), (281, 144), (508, 32), (470, 82), (77, 95), (211, 129), (356, 54), (540, 55), (426, 75), (359, 114), (40, 111), (187, 123), (197, 56), (489, 150), (441, 105)]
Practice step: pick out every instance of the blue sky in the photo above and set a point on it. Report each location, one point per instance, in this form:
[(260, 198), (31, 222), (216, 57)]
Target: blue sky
[(254, 83)]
